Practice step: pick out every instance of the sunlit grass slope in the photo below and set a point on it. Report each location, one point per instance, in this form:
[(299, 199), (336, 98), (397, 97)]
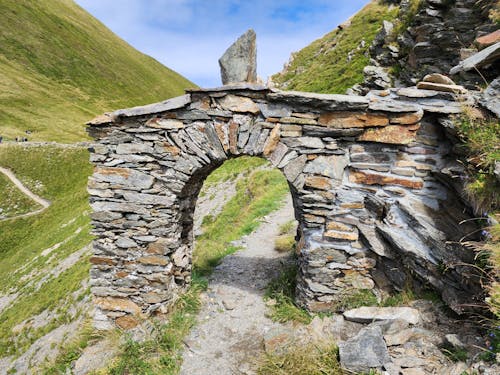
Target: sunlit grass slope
[(59, 67), (32, 245), (324, 66)]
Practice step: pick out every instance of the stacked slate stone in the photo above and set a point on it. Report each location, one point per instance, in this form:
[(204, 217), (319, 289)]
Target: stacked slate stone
[(371, 180)]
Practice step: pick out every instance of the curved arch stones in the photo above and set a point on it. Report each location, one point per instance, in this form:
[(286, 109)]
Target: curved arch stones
[(365, 175)]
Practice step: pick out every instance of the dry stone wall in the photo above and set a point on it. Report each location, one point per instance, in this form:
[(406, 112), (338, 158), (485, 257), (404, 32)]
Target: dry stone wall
[(372, 181)]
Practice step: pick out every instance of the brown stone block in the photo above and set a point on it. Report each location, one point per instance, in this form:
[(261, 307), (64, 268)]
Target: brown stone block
[(488, 40), (407, 118), (121, 274), (126, 322), (345, 120), (352, 205), (411, 163), (359, 177), (272, 140), (153, 260), (339, 235), (118, 304), (102, 260), (233, 137), (112, 171), (221, 131), (318, 182), (335, 225), (160, 247), (272, 119), (314, 219), (238, 104), (171, 149), (298, 120), (393, 134)]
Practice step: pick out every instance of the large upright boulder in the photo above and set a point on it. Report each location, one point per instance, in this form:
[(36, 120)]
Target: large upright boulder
[(239, 62)]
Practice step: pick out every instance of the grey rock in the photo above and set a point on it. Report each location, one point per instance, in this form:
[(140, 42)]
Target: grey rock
[(295, 167), (490, 97), (326, 101), (167, 105), (454, 341), (125, 243), (330, 166), (239, 62), (368, 314), (478, 60), (134, 148), (364, 351), (126, 177)]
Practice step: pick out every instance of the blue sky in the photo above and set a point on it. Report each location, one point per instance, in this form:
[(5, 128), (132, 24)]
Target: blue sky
[(189, 36)]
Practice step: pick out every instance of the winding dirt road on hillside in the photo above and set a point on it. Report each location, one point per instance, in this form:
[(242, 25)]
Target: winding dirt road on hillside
[(43, 202), (232, 323)]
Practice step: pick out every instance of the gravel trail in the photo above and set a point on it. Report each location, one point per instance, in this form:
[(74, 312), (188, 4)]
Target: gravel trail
[(232, 323)]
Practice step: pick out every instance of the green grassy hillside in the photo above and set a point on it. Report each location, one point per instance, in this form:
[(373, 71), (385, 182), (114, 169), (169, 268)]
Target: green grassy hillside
[(31, 246), (323, 66), (59, 67)]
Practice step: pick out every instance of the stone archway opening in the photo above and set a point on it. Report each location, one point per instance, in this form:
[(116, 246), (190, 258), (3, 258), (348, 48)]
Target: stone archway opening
[(363, 173), (235, 199)]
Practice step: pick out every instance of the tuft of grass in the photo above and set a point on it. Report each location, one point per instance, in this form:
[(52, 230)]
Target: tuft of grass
[(303, 360), (482, 140), (323, 65), (284, 243), (357, 298), (282, 291), (59, 67)]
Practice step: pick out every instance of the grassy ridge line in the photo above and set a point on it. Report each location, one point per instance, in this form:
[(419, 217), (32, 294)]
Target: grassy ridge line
[(59, 67), (59, 175), (323, 66)]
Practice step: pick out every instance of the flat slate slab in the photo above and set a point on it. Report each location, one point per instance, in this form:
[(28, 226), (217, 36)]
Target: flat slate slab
[(368, 314)]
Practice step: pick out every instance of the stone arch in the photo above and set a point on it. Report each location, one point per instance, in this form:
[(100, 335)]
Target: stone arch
[(362, 172)]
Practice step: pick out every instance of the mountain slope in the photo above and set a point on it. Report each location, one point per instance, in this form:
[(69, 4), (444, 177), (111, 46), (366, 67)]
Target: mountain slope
[(59, 67), (335, 62)]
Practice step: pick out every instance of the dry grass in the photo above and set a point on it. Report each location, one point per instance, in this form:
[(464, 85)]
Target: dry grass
[(308, 360)]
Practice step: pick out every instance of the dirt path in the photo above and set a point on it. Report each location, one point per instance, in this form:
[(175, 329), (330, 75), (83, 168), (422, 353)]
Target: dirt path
[(232, 322), (43, 202)]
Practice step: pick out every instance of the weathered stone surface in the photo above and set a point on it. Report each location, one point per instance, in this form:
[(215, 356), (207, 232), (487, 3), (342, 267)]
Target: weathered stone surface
[(118, 304), (381, 179), (239, 62), (153, 260), (317, 182), (295, 167), (394, 134), (123, 176), (167, 105), (338, 235), (488, 39), (346, 120), (407, 118), (238, 104), (329, 166), (164, 123), (326, 101), (441, 87), (126, 322), (490, 97), (272, 141), (484, 57), (438, 78), (368, 314), (364, 351)]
